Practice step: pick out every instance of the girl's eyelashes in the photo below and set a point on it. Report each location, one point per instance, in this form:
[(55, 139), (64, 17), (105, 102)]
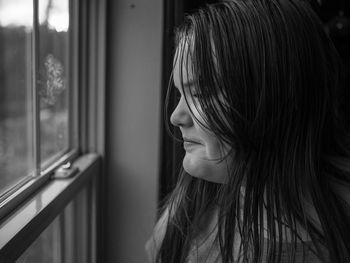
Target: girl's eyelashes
[(187, 93), (193, 93), (196, 95)]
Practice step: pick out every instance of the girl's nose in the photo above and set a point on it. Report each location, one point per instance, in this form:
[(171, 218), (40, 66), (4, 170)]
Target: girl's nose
[(181, 116)]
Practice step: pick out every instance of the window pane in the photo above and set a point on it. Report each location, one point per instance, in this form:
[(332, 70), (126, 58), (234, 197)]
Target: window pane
[(53, 82), (67, 238), (46, 248), (16, 137)]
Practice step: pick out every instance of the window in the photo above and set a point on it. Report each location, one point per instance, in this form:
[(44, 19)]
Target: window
[(54, 245), (53, 80), (51, 142), (35, 76), (16, 105)]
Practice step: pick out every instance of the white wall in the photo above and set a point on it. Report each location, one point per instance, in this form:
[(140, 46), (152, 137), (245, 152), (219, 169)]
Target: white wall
[(133, 116)]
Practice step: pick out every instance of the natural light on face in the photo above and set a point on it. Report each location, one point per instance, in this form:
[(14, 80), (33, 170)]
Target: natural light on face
[(203, 150)]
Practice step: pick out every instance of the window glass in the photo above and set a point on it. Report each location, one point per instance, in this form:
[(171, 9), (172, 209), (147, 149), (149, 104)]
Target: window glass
[(16, 107), (53, 77), (46, 248), (66, 239)]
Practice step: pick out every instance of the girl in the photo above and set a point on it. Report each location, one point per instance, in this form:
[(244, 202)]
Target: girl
[(266, 172)]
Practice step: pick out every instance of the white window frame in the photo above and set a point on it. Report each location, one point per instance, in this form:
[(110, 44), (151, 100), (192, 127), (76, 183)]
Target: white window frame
[(17, 232)]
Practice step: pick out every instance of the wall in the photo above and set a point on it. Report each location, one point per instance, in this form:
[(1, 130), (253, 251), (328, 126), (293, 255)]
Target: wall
[(134, 35)]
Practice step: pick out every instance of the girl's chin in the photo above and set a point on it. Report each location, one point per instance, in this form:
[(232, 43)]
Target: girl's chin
[(205, 169)]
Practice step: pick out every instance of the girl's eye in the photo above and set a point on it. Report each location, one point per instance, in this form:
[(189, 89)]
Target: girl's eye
[(196, 95)]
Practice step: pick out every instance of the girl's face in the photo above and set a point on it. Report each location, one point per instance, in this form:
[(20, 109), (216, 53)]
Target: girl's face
[(203, 149)]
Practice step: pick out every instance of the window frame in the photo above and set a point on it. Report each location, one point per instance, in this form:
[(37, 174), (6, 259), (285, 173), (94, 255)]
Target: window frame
[(18, 231), (88, 60)]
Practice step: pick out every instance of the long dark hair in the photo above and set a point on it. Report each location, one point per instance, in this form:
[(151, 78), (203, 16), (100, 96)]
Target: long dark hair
[(268, 77)]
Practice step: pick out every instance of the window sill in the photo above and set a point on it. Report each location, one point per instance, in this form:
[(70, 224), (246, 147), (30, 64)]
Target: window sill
[(21, 227)]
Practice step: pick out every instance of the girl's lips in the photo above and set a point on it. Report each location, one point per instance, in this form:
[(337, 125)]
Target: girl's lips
[(191, 140), (190, 145)]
